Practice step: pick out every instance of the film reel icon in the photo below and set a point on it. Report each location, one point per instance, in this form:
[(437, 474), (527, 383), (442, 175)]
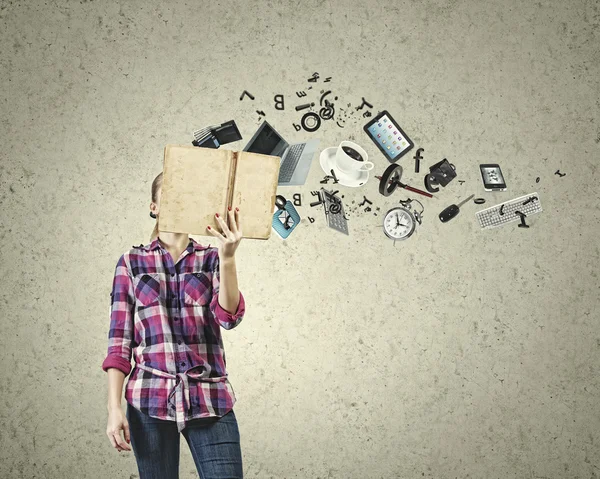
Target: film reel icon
[(310, 121)]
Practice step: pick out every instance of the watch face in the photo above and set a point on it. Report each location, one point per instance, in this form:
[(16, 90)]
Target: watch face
[(399, 223)]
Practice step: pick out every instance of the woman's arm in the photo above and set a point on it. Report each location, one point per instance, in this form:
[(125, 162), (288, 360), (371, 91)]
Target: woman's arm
[(116, 378), (227, 303), (229, 307), (117, 362), (229, 294)]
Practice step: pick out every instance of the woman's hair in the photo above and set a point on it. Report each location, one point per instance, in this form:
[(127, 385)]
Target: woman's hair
[(156, 184)]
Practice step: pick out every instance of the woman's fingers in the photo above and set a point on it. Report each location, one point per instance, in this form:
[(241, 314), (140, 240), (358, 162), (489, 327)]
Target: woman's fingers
[(122, 444), (117, 442), (229, 234), (117, 422), (113, 442), (232, 222), (237, 221), (215, 233), (126, 433), (224, 227)]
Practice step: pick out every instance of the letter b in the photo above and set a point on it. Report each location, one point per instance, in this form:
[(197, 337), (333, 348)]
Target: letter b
[(279, 102)]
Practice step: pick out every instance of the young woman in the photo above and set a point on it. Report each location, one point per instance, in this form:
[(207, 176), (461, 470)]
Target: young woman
[(170, 300)]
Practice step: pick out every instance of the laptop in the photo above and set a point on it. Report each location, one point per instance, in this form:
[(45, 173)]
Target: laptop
[(295, 159)]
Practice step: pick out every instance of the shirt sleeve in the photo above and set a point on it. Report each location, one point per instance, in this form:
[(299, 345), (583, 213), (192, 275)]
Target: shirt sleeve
[(226, 319), (121, 320)]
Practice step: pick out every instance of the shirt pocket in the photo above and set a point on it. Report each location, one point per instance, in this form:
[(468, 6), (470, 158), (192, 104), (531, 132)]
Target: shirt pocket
[(197, 289), (147, 288)]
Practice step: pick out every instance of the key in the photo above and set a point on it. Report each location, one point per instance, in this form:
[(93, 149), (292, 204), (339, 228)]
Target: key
[(452, 211)]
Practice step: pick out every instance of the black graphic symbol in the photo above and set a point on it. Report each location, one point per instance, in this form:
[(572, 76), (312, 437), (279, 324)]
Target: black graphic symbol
[(327, 112), (418, 159), (279, 102), (310, 121), (304, 107), (364, 103), (246, 93)]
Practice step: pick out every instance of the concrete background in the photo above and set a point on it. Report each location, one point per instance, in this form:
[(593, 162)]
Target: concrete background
[(459, 353)]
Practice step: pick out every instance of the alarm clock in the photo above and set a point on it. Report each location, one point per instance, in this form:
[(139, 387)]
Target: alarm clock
[(400, 222)]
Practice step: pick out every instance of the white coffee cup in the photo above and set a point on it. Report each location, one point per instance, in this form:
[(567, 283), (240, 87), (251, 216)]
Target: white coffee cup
[(348, 161)]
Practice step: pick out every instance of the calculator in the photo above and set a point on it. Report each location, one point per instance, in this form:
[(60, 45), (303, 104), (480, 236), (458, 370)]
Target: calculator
[(388, 136)]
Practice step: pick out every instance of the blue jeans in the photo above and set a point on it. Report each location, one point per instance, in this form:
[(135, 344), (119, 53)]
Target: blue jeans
[(214, 443)]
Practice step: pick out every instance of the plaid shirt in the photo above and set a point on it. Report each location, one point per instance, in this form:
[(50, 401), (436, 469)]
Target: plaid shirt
[(169, 317)]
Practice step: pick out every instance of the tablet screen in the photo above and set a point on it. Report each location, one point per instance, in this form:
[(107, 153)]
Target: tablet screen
[(389, 137), (492, 175)]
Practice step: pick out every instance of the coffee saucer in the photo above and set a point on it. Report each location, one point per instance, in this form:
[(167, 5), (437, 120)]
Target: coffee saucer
[(327, 160)]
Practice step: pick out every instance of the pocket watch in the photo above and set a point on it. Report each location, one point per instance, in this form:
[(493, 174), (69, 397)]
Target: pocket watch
[(400, 222)]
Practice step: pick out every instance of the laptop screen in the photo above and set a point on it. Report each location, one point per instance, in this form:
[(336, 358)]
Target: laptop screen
[(267, 141)]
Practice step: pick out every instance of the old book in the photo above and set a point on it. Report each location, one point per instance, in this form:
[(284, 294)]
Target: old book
[(199, 182)]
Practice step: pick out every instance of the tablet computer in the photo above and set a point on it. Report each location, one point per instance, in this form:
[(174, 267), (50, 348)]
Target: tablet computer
[(388, 136)]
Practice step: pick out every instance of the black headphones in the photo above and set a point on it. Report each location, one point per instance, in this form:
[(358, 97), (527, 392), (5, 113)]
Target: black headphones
[(152, 215)]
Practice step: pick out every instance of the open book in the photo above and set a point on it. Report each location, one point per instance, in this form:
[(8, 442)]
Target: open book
[(199, 182)]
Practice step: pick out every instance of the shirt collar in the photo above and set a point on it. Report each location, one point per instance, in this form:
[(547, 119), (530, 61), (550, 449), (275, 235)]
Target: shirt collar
[(192, 246)]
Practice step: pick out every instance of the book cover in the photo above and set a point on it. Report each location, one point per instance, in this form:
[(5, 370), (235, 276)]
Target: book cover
[(199, 182)]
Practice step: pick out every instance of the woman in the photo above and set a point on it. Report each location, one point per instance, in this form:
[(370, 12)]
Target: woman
[(170, 300)]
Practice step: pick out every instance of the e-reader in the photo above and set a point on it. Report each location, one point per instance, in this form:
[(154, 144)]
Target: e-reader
[(388, 136), (492, 177)]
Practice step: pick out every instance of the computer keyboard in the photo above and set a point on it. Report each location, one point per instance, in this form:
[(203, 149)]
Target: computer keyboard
[(287, 168)]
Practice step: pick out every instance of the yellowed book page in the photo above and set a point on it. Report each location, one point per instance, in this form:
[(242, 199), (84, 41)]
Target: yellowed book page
[(195, 184), (254, 192)]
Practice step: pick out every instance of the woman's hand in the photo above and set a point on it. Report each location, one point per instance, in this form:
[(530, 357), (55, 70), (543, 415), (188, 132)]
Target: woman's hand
[(117, 421), (230, 239)]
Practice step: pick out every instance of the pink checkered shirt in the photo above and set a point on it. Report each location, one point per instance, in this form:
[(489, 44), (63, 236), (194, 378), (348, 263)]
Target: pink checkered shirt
[(169, 318)]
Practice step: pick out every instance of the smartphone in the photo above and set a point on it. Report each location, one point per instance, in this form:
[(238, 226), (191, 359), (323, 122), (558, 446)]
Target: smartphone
[(493, 179)]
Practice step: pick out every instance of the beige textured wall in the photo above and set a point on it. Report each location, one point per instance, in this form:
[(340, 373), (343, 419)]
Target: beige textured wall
[(458, 353)]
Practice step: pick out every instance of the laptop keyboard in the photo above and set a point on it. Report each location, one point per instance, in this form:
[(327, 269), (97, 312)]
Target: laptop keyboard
[(287, 168)]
